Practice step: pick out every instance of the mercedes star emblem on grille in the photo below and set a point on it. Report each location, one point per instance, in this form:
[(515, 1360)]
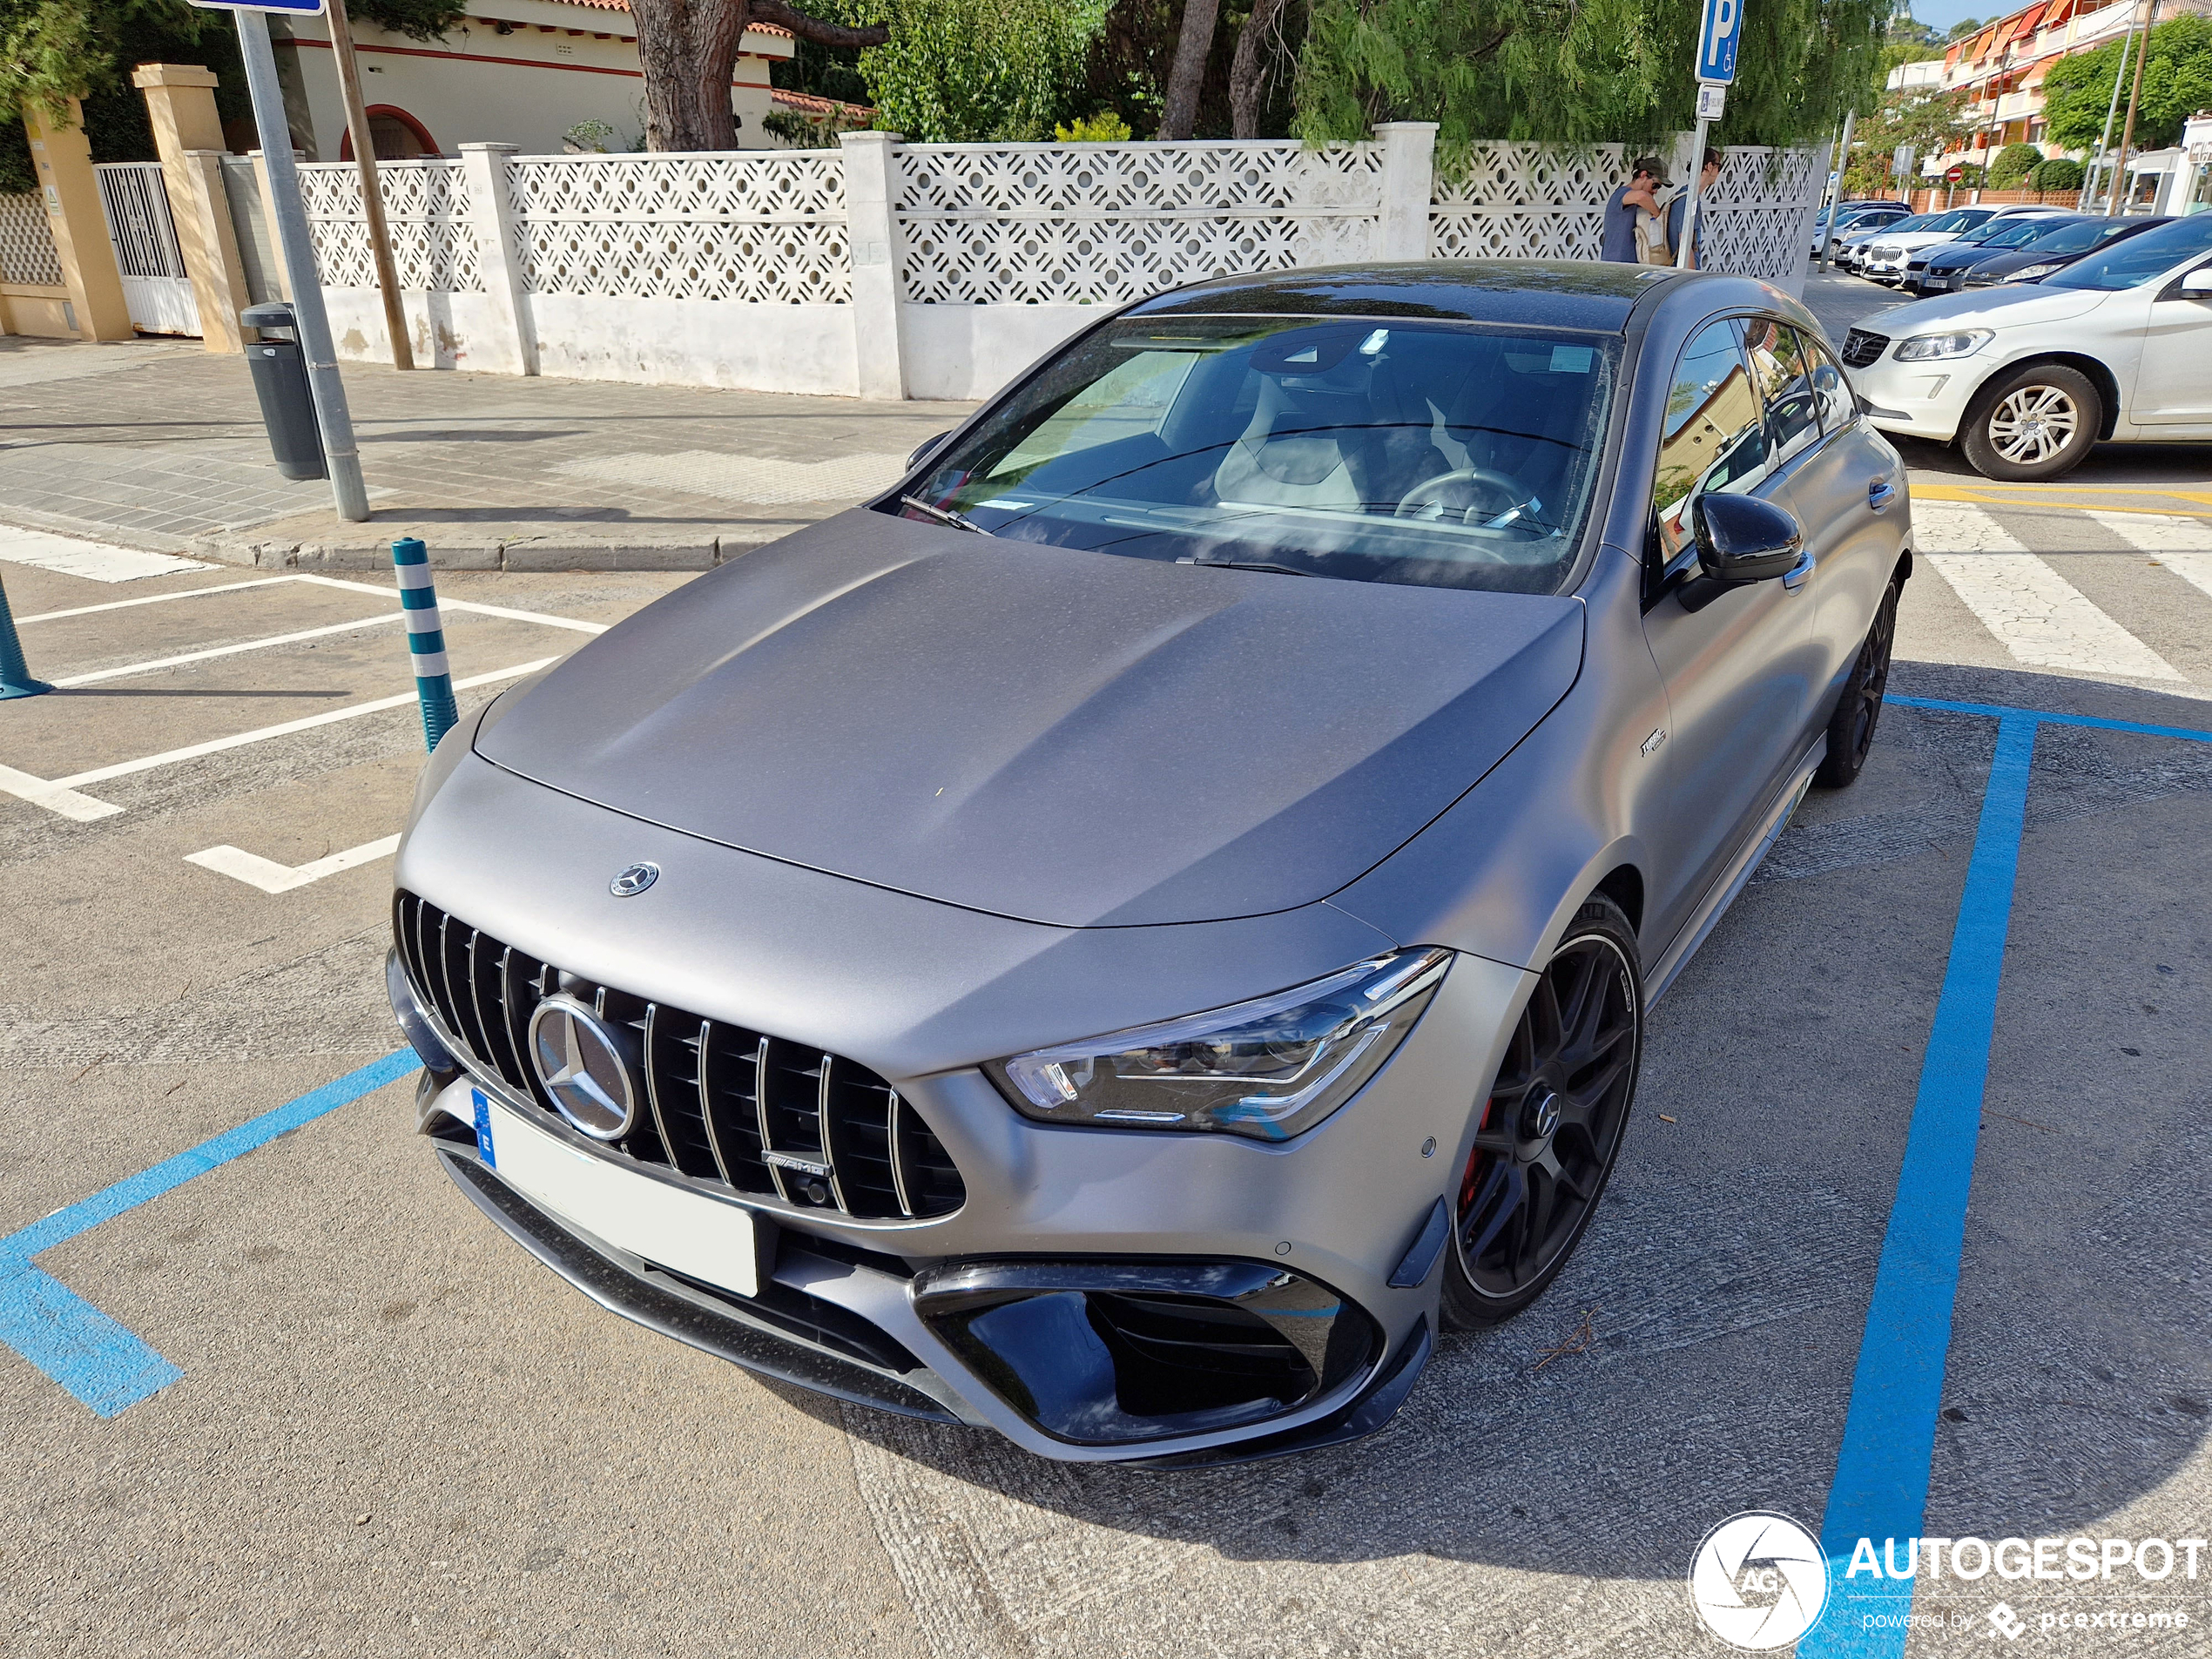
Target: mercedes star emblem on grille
[(634, 880), (580, 1059)]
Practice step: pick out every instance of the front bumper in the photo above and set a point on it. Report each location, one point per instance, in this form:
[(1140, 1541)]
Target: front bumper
[(1926, 400), (1056, 1377)]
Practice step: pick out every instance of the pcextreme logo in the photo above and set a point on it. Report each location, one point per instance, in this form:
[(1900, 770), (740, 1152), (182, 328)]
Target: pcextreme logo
[(1759, 1581)]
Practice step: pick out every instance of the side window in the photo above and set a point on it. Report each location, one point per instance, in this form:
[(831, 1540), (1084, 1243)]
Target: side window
[(1839, 403), (1713, 437), (1784, 374)]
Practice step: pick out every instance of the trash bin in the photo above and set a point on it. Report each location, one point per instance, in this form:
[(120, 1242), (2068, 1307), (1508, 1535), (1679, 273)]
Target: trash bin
[(280, 381)]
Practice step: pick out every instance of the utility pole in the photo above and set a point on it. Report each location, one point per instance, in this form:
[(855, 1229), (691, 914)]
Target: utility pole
[(379, 242), (290, 219), (2128, 133)]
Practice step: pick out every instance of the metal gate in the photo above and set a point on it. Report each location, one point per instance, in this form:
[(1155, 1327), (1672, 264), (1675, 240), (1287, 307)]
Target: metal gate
[(154, 284)]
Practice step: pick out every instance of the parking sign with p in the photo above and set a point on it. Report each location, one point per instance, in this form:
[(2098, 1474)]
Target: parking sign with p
[(1718, 33)]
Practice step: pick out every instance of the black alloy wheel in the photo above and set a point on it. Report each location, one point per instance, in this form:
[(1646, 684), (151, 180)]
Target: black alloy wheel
[(1851, 729), (1551, 1125)]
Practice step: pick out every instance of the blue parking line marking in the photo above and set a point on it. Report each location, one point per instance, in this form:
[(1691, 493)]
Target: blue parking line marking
[(88, 1353), (2048, 716), (1881, 1485)]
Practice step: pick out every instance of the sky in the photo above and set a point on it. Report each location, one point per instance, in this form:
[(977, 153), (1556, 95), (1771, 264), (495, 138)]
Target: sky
[(1940, 14)]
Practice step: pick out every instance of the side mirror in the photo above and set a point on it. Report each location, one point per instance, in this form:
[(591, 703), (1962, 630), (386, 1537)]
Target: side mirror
[(1741, 538), (2197, 285), (925, 450)]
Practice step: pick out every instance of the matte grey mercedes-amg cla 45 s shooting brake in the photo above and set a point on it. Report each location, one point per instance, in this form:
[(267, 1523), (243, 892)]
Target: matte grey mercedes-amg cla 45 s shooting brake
[(1122, 939)]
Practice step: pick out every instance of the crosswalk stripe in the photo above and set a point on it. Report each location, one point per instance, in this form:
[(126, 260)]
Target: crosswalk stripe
[(2033, 611), (2183, 545)]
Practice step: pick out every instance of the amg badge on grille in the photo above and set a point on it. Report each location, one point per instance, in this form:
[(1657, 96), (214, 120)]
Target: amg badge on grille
[(634, 880)]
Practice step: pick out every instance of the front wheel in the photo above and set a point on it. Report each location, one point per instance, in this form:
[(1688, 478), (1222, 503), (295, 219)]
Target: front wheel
[(1851, 728), (2036, 423), (1549, 1129)]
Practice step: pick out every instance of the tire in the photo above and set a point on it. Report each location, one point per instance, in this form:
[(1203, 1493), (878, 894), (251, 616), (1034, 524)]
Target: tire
[(1550, 1126), (1851, 728), (2035, 423)]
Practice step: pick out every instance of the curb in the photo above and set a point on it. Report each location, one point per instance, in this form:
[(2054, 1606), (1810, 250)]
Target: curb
[(522, 553)]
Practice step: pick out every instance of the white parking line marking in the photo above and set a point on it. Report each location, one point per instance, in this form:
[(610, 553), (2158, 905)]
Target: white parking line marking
[(151, 599), (2033, 611), (53, 797), (385, 594), (226, 650), (271, 877), (59, 794), (2183, 545), (67, 555)]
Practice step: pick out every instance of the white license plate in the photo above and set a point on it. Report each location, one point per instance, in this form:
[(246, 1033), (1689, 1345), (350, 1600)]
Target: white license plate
[(685, 1231)]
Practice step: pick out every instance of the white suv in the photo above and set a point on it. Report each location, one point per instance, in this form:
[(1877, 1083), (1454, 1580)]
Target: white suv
[(1886, 256), (2117, 346)]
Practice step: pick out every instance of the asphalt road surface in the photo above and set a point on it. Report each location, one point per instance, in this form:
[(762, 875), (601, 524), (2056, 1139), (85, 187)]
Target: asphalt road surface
[(378, 1428)]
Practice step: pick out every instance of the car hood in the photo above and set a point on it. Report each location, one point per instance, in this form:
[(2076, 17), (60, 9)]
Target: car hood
[(1989, 309), (1071, 737)]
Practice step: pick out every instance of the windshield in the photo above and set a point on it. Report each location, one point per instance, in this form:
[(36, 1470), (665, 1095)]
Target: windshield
[(2015, 234), (2072, 238), (1420, 453), (2134, 260), (1916, 222), (1961, 219)]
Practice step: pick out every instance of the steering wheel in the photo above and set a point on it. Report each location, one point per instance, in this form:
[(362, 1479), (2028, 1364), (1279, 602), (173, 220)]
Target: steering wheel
[(1430, 492)]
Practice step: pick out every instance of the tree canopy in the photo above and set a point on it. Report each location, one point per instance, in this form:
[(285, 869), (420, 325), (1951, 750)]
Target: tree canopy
[(1578, 70), (976, 70), (2177, 82)]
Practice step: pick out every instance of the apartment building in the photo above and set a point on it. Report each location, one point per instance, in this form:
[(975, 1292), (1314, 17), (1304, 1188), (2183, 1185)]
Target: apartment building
[(2002, 68)]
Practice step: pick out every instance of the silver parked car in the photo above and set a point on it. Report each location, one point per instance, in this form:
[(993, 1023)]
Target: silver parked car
[(1122, 939)]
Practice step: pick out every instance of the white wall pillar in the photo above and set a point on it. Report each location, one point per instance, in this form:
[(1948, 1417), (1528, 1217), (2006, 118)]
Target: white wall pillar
[(500, 259), (1408, 181), (875, 246)]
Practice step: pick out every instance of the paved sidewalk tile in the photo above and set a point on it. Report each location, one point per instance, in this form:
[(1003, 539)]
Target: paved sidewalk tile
[(160, 446)]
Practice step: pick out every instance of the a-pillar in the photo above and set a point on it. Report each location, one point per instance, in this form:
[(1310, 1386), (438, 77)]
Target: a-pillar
[(71, 192), (188, 136)]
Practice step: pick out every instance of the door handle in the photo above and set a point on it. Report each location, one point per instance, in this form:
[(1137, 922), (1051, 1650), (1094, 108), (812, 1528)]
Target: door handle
[(1797, 574), (1880, 492)]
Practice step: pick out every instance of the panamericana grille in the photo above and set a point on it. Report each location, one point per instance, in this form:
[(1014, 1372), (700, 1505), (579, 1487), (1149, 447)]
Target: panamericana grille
[(730, 1107), (1862, 347)]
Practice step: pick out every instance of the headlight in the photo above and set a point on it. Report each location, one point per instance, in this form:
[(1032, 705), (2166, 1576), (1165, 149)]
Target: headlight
[(2028, 273), (1965, 343), (1269, 1068)]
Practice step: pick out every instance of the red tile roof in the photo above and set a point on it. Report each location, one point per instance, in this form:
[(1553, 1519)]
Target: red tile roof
[(777, 30)]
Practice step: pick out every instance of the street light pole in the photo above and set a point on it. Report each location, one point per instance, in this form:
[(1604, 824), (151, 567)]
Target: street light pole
[(2135, 95), (1836, 196), (291, 222), (2112, 108)]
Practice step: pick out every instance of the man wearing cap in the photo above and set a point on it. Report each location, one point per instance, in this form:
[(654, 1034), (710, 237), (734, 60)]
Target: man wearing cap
[(1647, 177)]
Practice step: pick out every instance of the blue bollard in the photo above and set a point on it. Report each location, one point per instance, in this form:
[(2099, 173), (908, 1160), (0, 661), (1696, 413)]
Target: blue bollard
[(15, 673), (425, 638)]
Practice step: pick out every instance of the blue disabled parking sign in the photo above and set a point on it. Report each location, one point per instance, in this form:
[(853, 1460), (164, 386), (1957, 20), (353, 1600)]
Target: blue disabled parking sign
[(289, 8), (1718, 33)]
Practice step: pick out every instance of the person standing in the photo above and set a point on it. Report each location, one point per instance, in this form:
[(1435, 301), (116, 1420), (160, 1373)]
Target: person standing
[(1647, 177), (1677, 210)]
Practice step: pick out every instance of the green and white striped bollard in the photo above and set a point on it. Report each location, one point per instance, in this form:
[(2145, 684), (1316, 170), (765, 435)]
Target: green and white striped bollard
[(425, 638)]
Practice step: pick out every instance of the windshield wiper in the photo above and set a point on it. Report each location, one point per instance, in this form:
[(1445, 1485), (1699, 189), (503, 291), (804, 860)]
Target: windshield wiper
[(1253, 564), (943, 515)]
